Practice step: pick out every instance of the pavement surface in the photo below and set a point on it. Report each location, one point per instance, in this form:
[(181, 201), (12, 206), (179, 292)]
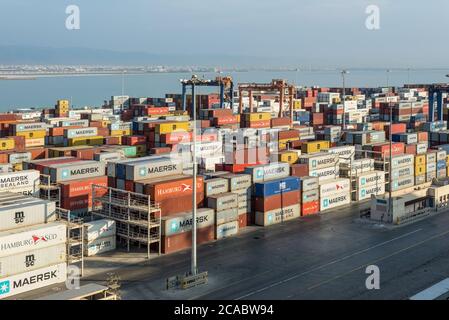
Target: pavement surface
[(317, 257)]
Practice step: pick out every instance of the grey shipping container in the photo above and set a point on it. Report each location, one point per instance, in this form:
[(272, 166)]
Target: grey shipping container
[(311, 195), (215, 186), (222, 201), (309, 183), (238, 181), (226, 230), (225, 216), (156, 168), (77, 170)]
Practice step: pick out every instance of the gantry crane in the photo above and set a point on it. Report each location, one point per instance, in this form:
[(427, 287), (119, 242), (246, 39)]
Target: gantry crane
[(278, 86), (437, 89), (225, 83)]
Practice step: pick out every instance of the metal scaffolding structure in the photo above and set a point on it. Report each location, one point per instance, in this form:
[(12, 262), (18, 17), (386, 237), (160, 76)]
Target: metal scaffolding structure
[(48, 190), (138, 219), (75, 238)]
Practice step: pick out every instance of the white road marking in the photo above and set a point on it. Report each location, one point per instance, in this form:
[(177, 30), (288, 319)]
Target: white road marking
[(433, 292), (326, 265)]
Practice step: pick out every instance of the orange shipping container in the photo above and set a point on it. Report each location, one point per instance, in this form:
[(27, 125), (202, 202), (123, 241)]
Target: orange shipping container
[(308, 208), (173, 188)]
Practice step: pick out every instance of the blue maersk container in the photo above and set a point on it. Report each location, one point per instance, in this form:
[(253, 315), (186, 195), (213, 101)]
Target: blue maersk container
[(441, 164), (270, 188)]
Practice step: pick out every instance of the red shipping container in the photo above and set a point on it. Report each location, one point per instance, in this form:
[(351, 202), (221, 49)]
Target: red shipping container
[(112, 140), (52, 161), (180, 204), (257, 124), (4, 157), (264, 204), (172, 188), (410, 149), (84, 154), (134, 140), (243, 220), (383, 150), (308, 208), (280, 122), (160, 150), (112, 183), (395, 128), (423, 136), (38, 153), (236, 168), (225, 120), (183, 240), (299, 170), (288, 134), (76, 203), (103, 132), (83, 187)]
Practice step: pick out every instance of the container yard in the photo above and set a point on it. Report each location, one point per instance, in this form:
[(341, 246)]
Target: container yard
[(153, 180)]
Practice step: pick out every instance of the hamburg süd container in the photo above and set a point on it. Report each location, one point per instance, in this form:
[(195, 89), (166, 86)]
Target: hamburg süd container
[(99, 229), (31, 238), (331, 187)]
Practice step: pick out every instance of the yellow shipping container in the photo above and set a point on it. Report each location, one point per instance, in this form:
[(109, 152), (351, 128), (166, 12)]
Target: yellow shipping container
[(18, 167), (85, 141), (297, 104), (170, 127), (105, 123), (257, 116), (420, 160), (314, 146), (32, 134), (420, 169), (447, 161), (37, 142), (7, 144), (115, 133), (288, 156), (282, 143)]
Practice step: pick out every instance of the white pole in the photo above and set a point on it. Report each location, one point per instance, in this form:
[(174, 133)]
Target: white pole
[(194, 262)]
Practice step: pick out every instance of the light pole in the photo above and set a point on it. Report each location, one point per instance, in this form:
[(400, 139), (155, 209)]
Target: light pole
[(388, 80), (343, 74), (390, 205), (194, 268)]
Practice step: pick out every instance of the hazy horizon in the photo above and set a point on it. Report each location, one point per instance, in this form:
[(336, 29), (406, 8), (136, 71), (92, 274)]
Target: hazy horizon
[(326, 33)]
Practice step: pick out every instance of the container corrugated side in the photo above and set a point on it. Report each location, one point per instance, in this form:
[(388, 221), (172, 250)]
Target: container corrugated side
[(99, 246), (33, 280), (334, 201), (26, 181), (99, 229), (330, 187), (16, 214), (226, 230), (30, 238), (32, 260), (180, 223), (269, 172), (277, 216)]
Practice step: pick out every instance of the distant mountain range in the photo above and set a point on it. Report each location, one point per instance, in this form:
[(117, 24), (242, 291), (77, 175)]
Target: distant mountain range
[(47, 56)]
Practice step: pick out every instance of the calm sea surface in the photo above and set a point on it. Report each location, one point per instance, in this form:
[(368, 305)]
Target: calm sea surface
[(93, 90)]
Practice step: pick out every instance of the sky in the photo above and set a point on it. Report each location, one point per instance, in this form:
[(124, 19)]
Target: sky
[(296, 32)]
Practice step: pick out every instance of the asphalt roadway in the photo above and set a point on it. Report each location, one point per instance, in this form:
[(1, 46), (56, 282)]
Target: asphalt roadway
[(317, 257)]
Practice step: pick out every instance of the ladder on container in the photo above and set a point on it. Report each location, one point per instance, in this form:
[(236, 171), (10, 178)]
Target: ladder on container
[(48, 190), (75, 238)]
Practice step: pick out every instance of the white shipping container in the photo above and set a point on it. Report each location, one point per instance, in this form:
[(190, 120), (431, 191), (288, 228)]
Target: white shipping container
[(26, 181), (81, 132), (331, 187), (226, 230), (278, 215), (99, 229), (403, 183), (319, 160), (370, 178), (403, 160), (99, 246), (365, 192), (31, 238), (32, 260), (334, 201), (22, 212), (215, 186), (272, 171), (180, 223), (33, 280), (345, 153), (325, 173), (309, 183), (398, 173)]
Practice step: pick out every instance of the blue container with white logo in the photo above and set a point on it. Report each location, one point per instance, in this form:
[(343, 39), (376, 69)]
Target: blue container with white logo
[(270, 188), (441, 164)]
